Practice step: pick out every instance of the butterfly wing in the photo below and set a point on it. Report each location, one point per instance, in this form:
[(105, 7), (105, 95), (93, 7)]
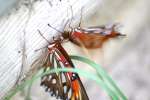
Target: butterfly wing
[(63, 85), (93, 37), (54, 82)]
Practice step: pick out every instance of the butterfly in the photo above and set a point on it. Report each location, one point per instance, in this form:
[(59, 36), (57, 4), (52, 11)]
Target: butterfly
[(63, 85), (91, 37)]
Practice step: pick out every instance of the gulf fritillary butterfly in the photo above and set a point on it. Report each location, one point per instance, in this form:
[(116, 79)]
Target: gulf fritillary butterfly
[(91, 37), (63, 85)]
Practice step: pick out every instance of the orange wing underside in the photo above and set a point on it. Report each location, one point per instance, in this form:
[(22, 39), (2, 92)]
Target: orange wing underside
[(76, 90), (78, 93), (89, 41)]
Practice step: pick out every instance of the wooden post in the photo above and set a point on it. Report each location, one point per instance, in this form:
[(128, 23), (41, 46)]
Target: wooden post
[(19, 37)]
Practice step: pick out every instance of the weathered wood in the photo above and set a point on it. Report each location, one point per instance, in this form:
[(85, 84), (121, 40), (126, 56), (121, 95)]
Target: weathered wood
[(19, 37)]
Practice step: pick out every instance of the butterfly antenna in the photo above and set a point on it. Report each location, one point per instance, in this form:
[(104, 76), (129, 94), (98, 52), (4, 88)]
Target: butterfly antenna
[(55, 29), (43, 36), (81, 16), (71, 17)]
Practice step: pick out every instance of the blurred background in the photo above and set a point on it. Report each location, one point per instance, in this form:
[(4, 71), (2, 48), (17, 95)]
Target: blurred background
[(125, 59)]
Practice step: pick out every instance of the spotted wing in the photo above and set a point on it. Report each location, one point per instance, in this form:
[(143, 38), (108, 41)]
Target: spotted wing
[(63, 85)]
